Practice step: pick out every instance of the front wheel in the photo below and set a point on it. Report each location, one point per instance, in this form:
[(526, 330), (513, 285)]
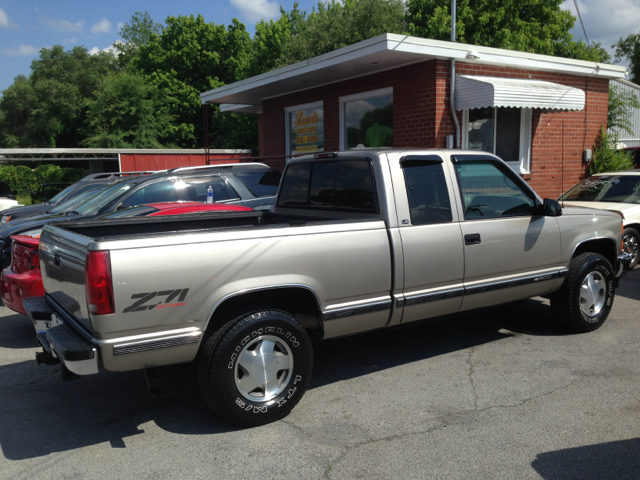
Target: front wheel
[(256, 368), (630, 240), (586, 297)]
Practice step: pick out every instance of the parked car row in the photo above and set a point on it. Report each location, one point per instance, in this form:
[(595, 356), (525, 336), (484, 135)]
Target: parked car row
[(104, 196)]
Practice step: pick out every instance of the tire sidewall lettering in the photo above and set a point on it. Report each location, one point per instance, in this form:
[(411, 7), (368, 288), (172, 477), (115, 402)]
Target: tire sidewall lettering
[(287, 336)]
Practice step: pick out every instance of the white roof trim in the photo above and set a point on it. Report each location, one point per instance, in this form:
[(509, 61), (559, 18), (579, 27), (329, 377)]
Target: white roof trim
[(385, 52), (478, 92)]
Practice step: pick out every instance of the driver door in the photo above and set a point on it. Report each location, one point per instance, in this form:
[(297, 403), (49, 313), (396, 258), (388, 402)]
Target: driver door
[(510, 252)]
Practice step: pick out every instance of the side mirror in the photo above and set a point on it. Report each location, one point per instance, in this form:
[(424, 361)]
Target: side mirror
[(551, 208)]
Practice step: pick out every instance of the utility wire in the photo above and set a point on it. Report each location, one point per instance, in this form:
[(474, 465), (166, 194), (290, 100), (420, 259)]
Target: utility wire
[(575, 2)]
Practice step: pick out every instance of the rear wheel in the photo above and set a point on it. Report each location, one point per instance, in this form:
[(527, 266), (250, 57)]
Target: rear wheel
[(586, 297), (256, 368), (630, 240)]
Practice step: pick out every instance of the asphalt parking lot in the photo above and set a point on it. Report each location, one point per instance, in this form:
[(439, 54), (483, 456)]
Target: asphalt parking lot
[(504, 394)]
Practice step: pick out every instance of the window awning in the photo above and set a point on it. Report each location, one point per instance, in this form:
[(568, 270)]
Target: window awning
[(478, 92)]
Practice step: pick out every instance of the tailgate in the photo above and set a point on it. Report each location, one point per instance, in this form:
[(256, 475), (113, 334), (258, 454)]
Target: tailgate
[(62, 259)]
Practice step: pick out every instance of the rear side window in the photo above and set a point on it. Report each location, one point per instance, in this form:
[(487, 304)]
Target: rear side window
[(341, 185), (260, 184), (195, 189), (427, 192)]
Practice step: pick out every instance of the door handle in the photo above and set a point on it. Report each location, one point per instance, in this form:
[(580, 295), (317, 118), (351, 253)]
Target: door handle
[(472, 239)]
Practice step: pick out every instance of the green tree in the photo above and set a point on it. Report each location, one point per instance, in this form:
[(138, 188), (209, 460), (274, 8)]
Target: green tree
[(136, 32), (49, 108), (192, 56), (336, 24), (629, 48), (621, 104), (15, 107), (126, 113), (606, 158), (537, 26)]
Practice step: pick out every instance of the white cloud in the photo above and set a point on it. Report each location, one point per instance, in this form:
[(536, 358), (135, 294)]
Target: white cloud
[(103, 26), (605, 22), (4, 21), (22, 51), (120, 25), (109, 49), (256, 10), (70, 40), (61, 25), (4, 18)]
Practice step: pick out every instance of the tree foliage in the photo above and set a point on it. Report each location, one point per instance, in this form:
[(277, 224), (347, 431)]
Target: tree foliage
[(606, 158), (335, 24), (126, 113), (536, 26), (48, 109), (192, 56), (629, 48), (148, 95), (136, 32), (621, 105)]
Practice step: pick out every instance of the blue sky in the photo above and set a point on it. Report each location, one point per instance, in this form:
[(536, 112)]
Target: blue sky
[(27, 25)]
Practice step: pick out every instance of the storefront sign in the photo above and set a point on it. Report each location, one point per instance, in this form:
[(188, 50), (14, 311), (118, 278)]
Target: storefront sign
[(306, 132)]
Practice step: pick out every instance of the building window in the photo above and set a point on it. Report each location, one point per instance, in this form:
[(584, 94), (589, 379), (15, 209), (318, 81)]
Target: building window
[(366, 120), (304, 128), (505, 132)]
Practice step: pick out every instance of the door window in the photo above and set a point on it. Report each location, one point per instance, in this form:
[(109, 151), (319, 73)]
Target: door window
[(491, 190)]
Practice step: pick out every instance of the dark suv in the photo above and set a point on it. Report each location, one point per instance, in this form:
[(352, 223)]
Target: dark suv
[(85, 184), (250, 184)]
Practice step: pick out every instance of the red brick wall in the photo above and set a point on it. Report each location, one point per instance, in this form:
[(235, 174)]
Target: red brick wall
[(580, 128), (422, 118)]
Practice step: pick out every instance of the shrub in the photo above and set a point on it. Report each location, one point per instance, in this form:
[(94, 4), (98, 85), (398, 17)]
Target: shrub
[(23, 180), (605, 156)]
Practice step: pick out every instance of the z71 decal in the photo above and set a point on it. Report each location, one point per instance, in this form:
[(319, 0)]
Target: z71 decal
[(175, 298)]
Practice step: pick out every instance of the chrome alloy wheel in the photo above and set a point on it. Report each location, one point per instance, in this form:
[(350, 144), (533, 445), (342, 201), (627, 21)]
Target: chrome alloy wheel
[(263, 368), (592, 294), (630, 246)]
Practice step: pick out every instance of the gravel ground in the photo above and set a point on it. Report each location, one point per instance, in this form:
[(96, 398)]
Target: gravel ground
[(503, 394)]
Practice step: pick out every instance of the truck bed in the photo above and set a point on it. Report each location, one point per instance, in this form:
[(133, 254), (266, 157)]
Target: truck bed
[(139, 227)]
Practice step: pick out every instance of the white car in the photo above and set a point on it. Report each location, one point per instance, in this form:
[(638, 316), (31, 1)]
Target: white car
[(7, 199), (616, 191)]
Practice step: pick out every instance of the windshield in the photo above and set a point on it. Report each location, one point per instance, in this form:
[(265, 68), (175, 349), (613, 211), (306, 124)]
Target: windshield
[(75, 202), (114, 191), (606, 188), (59, 196)]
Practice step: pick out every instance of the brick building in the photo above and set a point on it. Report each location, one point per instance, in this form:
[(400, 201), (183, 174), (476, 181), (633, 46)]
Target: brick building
[(538, 113)]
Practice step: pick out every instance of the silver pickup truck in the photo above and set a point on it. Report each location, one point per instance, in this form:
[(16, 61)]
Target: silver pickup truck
[(357, 241)]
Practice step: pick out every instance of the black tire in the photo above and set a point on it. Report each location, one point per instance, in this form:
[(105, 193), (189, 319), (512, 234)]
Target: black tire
[(279, 341), (631, 243), (569, 305)]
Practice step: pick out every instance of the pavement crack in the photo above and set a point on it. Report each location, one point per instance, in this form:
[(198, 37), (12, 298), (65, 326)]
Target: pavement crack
[(470, 374)]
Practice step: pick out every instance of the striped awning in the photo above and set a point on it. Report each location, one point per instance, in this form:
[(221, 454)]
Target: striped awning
[(477, 92)]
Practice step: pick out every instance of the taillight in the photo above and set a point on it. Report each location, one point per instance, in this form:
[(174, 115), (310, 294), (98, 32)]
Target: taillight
[(98, 283), (34, 259)]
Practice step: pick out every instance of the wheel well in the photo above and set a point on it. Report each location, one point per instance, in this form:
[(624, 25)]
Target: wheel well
[(635, 226), (605, 247), (299, 302)]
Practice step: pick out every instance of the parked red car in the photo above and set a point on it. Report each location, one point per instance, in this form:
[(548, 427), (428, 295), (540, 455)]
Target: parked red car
[(23, 278)]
